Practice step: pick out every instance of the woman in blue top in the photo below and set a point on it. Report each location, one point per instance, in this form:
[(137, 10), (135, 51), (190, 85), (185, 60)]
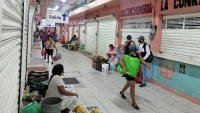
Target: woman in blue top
[(130, 50)]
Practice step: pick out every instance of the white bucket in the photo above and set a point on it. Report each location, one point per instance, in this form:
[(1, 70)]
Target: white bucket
[(105, 68)]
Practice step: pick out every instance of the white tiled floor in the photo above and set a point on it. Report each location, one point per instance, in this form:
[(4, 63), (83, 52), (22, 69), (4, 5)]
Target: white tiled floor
[(103, 90)]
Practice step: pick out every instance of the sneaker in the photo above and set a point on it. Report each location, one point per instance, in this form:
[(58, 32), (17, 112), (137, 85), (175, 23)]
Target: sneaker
[(142, 85)]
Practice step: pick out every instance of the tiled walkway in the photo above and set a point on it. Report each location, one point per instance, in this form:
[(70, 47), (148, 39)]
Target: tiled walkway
[(103, 90)]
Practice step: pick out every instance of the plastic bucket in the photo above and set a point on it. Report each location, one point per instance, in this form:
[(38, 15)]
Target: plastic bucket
[(51, 105), (105, 68)]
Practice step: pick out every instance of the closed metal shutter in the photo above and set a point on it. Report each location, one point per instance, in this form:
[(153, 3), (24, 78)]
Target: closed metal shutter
[(136, 28), (70, 32), (76, 30), (106, 35), (10, 55), (180, 37), (82, 34), (91, 30), (24, 46)]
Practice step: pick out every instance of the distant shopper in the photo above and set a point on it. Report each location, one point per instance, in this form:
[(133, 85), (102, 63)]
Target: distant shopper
[(128, 38), (50, 45), (49, 33), (144, 50), (130, 50), (54, 37), (56, 88), (43, 36)]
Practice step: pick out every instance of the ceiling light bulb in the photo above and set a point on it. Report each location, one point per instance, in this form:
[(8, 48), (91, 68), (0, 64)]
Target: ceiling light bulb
[(63, 0), (56, 7)]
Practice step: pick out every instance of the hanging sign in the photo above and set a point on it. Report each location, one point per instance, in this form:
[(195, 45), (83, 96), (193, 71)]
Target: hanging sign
[(137, 10), (45, 23), (57, 17)]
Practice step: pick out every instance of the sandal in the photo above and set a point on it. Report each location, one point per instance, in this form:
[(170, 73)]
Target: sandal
[(136, 107), (123, 96)]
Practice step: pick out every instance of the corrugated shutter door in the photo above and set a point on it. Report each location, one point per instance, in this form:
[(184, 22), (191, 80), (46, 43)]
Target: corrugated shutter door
[(82, 34), (106, 35), (180, 36), (11, 33), (136, 28), (75, 30), (24, 45), (91, 30), (70, 32)]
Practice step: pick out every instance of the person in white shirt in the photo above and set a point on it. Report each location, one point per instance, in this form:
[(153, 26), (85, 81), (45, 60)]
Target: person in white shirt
[(145, 52), (56, 88)]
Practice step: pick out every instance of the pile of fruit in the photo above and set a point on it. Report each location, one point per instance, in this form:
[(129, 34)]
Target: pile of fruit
[(79, 109), (95, 111)]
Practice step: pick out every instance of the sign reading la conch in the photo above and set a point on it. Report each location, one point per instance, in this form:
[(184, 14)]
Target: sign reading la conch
[(178, 4), (57, 17), (137, 10)]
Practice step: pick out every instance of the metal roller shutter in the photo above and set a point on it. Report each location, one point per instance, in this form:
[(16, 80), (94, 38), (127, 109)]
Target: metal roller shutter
[(70, 32), (106, 35), (180, 36), (75, 30), (91, 30), (82, 34), (24, 46), (136, 28), (10, 55)]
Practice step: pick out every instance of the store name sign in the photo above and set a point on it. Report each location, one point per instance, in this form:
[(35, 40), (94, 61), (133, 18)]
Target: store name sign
[(57, 17), (137, 10), (178, 4)]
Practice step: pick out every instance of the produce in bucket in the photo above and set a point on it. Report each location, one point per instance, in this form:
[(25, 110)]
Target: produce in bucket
[(95, 111), (79, 109)]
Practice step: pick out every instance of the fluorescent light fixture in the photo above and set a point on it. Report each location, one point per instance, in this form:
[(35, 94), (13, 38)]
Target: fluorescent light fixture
[(90, 4), (57, 7), (63, 0), (51, 9)]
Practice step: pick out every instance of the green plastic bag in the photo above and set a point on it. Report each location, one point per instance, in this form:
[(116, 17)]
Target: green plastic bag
[(132, 65), (32, 107)]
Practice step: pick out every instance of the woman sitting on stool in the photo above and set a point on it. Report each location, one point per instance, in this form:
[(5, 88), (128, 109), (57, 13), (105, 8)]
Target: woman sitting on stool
[(56, 88), (112, 56)]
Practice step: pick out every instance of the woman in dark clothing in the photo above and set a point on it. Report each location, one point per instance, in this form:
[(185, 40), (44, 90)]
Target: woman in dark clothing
[(130, 50)]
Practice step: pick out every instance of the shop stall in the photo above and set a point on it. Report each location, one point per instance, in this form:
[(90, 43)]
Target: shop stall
[(91, 34), (178, 31), (106, 34), (82, 34), (135, 28)]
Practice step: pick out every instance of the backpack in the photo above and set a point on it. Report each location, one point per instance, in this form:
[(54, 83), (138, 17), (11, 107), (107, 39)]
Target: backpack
[(150, 58)]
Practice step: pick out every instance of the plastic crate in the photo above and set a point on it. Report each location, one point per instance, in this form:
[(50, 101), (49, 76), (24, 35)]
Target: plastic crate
[(37, 74), (39, 85)]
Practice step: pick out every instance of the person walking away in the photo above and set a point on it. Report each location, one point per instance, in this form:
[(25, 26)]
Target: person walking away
[(56, 88), (44, 37), (131, 51), (50, 45), (49, 33), (144, 50)]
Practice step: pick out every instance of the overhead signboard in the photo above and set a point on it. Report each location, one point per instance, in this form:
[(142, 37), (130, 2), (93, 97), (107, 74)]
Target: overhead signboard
[(57, 17), (45, 23)]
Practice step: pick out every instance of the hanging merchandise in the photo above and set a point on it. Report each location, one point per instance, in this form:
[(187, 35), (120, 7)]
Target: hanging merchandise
[(106, 34), (180, 37), (91, 34), (135, 28)]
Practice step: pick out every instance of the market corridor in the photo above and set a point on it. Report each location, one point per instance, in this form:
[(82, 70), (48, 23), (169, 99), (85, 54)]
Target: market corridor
[(103, 90)]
